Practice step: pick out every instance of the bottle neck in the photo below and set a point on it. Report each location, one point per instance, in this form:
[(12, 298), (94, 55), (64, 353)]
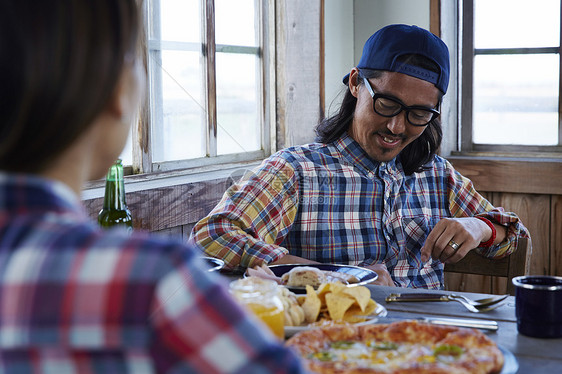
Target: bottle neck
[(114, 189)]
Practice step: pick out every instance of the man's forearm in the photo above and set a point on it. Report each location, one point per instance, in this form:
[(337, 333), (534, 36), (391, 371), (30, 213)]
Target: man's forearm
[(290, 259)]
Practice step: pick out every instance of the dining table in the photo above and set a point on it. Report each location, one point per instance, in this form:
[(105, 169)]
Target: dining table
[(532, 355)]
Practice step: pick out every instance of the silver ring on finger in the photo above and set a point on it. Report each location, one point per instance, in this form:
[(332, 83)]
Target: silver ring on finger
[(453, 244)]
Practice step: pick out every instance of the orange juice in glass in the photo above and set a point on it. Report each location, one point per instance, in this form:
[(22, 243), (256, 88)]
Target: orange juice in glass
[(261, 296)]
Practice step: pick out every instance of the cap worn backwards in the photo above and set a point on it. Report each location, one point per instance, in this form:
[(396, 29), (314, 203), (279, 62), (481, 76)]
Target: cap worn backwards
[(383, 49)]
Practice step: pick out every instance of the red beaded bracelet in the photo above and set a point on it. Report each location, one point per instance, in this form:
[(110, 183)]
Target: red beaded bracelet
[(490, 241)]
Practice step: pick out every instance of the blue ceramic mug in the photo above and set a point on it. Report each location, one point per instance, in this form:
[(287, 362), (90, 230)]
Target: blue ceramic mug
[(538, 305)]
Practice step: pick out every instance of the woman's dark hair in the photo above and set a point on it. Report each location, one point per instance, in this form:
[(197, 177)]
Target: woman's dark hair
[(416, 154), (60, 62)]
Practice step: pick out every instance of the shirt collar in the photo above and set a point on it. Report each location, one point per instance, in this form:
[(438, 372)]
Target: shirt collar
[(352, 152)]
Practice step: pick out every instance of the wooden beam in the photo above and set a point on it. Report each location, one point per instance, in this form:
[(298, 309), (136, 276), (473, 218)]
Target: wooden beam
[(435, 17), (298, 71), (517, 176)]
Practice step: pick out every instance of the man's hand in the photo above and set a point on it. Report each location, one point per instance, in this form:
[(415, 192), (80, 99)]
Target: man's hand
[(452, 238), (384, 278)]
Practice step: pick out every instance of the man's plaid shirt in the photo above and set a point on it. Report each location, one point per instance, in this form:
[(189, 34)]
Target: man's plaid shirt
[(331, 203)]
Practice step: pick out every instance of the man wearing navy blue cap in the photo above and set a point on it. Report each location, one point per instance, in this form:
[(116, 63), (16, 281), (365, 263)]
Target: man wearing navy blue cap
[(372, 191)]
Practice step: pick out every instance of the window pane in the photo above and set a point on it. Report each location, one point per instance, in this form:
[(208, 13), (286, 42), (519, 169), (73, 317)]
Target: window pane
[(237, 104), (179, 20), (235, 22), (179, 123), (516, 23), (515, 99)]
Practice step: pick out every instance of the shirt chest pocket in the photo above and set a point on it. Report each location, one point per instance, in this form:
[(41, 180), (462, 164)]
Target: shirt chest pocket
[(411, 230)]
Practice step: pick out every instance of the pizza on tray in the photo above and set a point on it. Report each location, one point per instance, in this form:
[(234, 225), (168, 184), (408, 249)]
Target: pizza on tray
[(400, 347)]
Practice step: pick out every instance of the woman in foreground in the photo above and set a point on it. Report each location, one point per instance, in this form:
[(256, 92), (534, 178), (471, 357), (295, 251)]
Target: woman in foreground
[(74, 298)]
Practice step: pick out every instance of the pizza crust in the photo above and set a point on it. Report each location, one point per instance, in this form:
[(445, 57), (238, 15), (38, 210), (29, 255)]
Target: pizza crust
[(396, 348)]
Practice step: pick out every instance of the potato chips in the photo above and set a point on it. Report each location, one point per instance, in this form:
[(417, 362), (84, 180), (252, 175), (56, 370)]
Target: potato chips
[(311, 305), (337, 302)]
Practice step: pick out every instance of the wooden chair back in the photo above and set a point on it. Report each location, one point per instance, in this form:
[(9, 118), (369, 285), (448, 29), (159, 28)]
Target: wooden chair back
[(518, 263)]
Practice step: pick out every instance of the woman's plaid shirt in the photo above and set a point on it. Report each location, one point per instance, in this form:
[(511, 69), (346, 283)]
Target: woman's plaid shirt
[(332, 204), (75, 299)]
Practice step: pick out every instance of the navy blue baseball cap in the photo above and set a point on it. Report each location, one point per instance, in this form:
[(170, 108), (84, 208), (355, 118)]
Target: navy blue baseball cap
[(384, 47)]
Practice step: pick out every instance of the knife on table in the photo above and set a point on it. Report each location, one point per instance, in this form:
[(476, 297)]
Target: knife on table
[(417, 296), (472, 323), (459, 322)]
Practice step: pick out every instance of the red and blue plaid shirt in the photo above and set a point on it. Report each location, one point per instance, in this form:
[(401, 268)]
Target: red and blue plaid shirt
[(331, 203), (75, 299)]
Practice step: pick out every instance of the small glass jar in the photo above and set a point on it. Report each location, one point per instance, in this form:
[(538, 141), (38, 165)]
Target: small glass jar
[(261, 296)]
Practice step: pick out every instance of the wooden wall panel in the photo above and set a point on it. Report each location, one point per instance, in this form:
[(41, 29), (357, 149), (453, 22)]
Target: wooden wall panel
[(174, 232), (537, 176), (534, 212), (532, 188), (186, 230), (169, 207), (179, 232), (499, 285), (297, 61), (468, 283), (556, 236), (454, 281)]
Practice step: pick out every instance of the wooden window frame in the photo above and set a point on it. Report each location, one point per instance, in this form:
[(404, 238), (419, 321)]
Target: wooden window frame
[(142, 155)]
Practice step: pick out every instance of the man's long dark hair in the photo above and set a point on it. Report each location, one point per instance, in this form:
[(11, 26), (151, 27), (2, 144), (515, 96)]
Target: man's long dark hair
[(416, 154)]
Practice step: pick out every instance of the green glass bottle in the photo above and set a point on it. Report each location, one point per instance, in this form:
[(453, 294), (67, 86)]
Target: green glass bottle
[(115, 211)]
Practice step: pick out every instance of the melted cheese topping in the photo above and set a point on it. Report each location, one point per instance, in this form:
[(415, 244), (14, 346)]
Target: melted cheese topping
[(373, 354)]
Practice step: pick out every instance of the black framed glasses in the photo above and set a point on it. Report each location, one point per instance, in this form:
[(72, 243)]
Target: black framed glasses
[(387, 106)]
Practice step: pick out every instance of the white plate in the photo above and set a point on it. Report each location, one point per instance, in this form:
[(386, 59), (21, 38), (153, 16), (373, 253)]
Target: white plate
[(510, 364), (214, 264), (365, 276), (380, 311)]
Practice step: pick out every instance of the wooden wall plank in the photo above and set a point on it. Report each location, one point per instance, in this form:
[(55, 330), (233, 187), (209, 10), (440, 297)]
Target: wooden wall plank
[(186, 230), (468, 283), (534, 212), (168, 207), (174, 232), (556, 236), (435, 17), (298, 69), (520, 176), (454, 281), (499, 285)]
